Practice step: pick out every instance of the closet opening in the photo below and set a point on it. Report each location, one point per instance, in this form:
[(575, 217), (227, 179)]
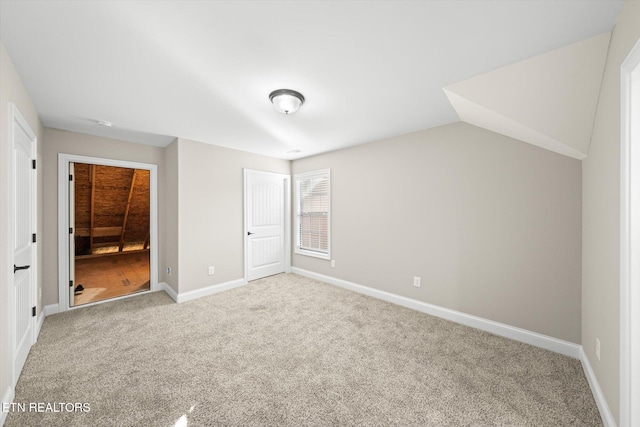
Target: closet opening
[(109, 239)]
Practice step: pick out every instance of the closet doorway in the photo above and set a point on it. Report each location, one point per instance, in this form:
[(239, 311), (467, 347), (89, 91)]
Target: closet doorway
[(110, 233), (107, 221)]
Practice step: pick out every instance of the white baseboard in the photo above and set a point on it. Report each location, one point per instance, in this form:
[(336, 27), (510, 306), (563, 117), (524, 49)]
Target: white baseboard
[(605, 412), (51, 309), (7, 397), (39, 323), (164, 286), (543, 341), (209, 290), (181, 297)]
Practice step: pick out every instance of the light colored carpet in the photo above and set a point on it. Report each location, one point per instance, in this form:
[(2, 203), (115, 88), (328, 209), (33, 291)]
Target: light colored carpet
[(291, 351)]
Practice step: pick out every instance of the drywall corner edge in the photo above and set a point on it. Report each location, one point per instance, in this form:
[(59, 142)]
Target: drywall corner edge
[(51, 309), (164, 286)]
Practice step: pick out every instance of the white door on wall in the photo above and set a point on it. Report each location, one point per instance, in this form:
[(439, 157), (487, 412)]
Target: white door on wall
[(23, 218), (265, 222)]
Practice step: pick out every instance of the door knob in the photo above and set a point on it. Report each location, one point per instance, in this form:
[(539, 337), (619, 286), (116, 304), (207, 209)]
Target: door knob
[(24, 267), (249, 233)]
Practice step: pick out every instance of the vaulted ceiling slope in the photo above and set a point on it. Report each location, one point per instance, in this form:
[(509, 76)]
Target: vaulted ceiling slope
[(548, 100), (203, 70)]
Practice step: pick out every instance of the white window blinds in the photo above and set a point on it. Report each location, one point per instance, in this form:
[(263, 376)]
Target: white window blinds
[(313, 213)]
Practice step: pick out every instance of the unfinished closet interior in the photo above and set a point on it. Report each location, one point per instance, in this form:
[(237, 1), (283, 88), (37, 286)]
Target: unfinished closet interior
[(110, 241)]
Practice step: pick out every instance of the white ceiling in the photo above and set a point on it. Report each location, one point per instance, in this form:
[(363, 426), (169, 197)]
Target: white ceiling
[(203, 70)]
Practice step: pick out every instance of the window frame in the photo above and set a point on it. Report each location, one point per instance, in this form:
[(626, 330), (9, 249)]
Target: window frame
[(298, 178)]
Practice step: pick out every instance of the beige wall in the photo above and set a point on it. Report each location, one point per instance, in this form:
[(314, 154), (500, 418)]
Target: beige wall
[(490, 224), (211, 219), (60, 141), (601, 217), (169, 237), (12, 90)]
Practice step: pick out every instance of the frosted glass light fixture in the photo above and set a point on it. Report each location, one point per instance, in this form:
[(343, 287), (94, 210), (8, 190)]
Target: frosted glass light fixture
[(286, 101)]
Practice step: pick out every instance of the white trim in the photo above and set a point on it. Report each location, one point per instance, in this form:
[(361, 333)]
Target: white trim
[(15, 117), (51, 309), (629, 244), (245, 246), (601, 402), (89, 304), (10, 252), (164, 286), (34, 257), (39, 324), (287, 225), (7, 397), (296, 197), (287, 220), (63, 220), (209, 290), (533, 338)]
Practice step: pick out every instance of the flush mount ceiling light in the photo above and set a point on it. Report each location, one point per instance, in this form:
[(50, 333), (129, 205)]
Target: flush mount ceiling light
[(286, 101)]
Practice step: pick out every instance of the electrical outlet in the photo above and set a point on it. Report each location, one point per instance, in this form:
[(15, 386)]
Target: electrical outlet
[(169, 271), (416, 281), (212, 270), (598, 348), (333, 263)]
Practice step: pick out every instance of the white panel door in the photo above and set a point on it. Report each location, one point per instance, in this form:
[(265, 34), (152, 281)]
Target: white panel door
[(23, 246), (265, 224)]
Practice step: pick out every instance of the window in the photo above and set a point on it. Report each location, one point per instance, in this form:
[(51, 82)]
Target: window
[(313, 206)]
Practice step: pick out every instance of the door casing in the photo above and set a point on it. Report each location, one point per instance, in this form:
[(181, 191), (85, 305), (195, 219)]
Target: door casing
[(630, 239), (63, 223)]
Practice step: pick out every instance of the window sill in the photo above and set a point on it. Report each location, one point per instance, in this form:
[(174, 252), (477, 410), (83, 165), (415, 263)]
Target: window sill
[(312, 254)]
